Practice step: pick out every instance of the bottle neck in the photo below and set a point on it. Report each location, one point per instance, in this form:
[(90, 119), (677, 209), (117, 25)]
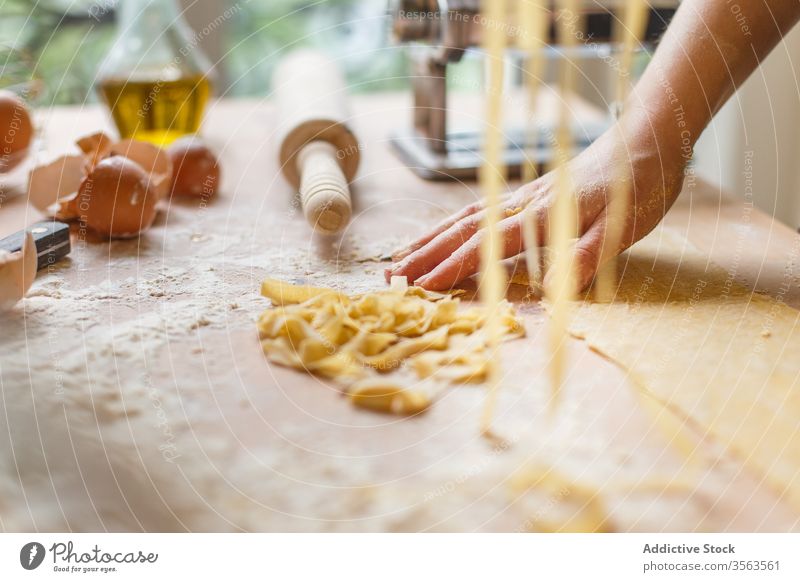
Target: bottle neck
[(132, 11), (153, 41)]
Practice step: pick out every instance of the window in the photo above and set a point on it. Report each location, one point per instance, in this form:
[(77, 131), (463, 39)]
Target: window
[(56, 46)]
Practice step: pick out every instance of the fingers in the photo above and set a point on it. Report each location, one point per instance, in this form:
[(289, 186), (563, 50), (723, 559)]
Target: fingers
[(592, 251), (465, 261), (588, 255), (437, 230), (448, 222), (423, 260)]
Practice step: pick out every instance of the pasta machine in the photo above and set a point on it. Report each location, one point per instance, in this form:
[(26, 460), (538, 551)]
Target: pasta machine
[(441, 32)]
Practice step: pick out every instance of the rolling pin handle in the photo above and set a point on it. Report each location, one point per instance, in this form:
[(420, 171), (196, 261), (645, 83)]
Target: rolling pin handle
[(324, 191)]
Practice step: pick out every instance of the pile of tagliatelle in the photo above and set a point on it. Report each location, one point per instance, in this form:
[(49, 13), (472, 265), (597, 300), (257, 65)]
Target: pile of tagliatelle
[(357, 340)]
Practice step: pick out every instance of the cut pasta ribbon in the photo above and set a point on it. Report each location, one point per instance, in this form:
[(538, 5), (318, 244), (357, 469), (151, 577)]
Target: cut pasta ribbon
[(357, 340)]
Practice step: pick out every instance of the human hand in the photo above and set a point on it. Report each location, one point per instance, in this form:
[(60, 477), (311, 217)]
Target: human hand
[(450, 252)]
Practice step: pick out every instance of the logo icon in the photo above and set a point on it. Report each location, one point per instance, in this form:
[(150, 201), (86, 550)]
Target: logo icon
[(31, 555)]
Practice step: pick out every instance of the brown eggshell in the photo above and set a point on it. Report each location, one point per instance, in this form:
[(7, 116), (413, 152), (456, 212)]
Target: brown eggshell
[(96, 147), (196, 171), (152, 159), (116, 200), (66, 209), (16, 131), (17, 273), (56, 181)]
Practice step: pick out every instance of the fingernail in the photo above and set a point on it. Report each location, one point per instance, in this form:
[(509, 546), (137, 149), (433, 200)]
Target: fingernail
[(400, 255)]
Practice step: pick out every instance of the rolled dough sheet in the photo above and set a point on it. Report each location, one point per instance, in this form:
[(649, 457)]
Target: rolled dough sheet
[(723, 358)]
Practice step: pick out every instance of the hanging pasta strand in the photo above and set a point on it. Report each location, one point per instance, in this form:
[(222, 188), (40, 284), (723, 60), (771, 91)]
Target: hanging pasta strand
[(533, 26), (560, 283), (534, 23), (631, 30), (492, 179)]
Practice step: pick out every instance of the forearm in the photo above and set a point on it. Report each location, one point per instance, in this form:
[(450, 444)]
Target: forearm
[(709, 50), (706, 54)]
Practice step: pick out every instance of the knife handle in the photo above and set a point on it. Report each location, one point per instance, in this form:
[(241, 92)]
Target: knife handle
[(51, 239)]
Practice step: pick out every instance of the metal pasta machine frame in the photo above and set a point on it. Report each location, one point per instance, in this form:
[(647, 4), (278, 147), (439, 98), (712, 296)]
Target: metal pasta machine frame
[(442, 32)]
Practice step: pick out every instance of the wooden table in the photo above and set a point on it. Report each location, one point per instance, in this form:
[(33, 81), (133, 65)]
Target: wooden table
[(135, 395)]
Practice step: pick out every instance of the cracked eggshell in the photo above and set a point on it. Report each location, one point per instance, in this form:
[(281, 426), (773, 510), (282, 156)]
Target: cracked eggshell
[(152, 159), (95, 146), (16, 131), (56, 181), (17, 273), (117, 199)]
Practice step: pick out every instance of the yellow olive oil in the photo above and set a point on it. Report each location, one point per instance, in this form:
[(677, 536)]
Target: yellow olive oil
[(154, 110)]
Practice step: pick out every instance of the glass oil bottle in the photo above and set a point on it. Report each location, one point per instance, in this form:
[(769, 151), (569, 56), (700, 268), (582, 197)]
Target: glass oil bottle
[(155, 81)]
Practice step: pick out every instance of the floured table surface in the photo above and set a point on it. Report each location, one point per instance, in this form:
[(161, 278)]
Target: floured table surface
[(135, 395)]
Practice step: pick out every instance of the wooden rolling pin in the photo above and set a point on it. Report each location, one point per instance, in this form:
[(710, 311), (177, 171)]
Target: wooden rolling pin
[(318, 154)]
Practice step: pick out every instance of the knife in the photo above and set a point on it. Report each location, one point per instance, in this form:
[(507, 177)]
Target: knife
[(51, 239)]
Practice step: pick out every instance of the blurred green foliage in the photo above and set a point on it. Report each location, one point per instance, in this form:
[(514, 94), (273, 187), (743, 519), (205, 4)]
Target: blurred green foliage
[(55, 41), (62, 42), (354, 32)]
